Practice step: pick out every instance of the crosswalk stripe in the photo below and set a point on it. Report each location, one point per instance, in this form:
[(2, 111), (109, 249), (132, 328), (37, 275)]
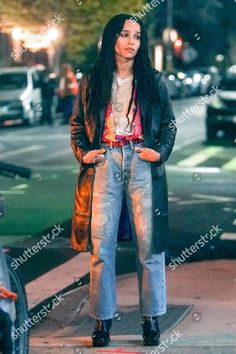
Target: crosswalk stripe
[(12, 192), (37, 137), (216, 198), (229, 236), (20, 187), (66, 151), (230, 165), (200, 156), (21, 151)]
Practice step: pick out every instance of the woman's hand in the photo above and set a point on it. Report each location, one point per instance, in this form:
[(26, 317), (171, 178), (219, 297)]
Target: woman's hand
[(148, 154), (94, 156)]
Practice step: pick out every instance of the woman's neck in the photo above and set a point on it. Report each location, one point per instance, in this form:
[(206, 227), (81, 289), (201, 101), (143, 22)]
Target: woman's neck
[(124, 68)]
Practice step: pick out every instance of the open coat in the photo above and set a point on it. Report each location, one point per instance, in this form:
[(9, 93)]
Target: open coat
[(159, 131)]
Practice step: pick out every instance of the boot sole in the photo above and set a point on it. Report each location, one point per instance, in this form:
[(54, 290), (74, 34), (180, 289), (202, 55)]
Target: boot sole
[(151, 342), (99, 343)]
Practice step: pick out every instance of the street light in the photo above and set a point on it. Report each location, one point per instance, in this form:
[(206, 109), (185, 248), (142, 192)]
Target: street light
[(17, 33), (178, 47)]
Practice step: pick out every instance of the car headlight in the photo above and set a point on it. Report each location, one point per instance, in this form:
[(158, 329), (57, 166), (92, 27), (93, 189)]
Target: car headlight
[(217, 103)]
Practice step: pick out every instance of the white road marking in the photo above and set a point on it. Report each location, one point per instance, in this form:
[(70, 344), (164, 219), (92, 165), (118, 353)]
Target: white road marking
[(12, 192), (216, 198), (229, 236), (173, 199), (204, 199), (37, 137), (66, 151), (22, 151), (200, 156), (20, 186), (230, 165), (193, 202), (176, 168), (227, 209)]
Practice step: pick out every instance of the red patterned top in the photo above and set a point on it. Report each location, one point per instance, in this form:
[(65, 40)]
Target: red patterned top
[(109, 132)]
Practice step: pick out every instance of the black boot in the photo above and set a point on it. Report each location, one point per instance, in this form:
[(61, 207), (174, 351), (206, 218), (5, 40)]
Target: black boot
[(151, 332), (101, 334)]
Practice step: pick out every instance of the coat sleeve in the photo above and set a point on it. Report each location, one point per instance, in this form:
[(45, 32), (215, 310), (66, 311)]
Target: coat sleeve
[(167, 125), (79, 139)]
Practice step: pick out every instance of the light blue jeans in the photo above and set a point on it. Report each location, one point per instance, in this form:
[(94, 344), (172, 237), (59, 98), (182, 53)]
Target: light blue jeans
[(123, 172)]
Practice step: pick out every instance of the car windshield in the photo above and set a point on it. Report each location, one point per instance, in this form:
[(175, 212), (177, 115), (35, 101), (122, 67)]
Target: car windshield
[(12, 81), (228, 85)]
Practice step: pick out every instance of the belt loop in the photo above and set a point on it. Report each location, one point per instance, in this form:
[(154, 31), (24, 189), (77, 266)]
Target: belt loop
[(131, 144)]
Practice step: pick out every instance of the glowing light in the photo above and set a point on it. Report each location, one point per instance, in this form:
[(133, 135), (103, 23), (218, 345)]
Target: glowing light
[(178, 43), (53, 34), (17, 33)]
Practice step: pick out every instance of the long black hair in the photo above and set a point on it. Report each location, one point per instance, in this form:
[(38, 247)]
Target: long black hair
[(101, 77)]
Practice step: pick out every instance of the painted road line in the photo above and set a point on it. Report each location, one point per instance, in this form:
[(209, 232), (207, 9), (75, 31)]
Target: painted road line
[(200, 156), (216, 198), (12, 192), (37, 137), (230, 165), (228, 236), (21, 151), (228, 210), (173, 199), (64, 152), (193, 202), (204, 199), (197, 169), (19, 187), (51, 168)]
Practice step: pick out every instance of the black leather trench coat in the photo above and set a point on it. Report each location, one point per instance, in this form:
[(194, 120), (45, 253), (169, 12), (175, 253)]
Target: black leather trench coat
[(159, 133)]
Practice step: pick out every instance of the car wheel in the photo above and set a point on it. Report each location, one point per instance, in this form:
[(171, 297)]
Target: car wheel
[(211, 134)]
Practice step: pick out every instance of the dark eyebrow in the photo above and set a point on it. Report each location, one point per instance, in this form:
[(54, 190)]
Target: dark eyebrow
[(129, 31)]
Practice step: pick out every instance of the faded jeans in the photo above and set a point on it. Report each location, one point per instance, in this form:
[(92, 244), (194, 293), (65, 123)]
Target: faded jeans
[(123, 172)]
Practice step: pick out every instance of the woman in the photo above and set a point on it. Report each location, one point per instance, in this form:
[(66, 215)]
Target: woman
[(122, 132)]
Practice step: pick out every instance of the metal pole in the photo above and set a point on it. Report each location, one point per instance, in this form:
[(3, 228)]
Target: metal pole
[(169, 63)]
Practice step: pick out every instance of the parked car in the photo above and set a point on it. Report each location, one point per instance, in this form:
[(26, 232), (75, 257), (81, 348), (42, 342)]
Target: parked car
[(174, 84), (221, 112), (210, 77), (20, 96)]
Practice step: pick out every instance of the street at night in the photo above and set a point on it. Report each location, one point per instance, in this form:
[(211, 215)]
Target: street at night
[(117, 177)]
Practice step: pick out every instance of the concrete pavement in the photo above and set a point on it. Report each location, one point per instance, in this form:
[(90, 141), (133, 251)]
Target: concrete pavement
[(206, 290)]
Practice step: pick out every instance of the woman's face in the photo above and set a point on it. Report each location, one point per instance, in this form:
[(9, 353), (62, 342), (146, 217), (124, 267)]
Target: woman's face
[(128, 41)]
